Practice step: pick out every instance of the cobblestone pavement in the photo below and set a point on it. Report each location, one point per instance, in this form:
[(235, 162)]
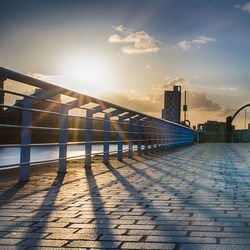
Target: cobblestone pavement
[(195, 197)]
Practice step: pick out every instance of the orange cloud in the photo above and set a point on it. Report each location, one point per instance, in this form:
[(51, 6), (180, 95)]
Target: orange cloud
[(170, 83)]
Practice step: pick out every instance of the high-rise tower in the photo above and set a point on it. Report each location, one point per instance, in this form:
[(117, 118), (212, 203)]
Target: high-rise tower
[(172, 105)]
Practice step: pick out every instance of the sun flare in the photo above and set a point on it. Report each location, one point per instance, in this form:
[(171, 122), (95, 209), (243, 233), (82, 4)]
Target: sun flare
[(88, 74)]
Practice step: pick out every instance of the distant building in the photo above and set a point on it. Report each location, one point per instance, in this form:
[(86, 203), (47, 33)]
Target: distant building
[(214, 131), (242, 135), (172, 105), (14, 116)]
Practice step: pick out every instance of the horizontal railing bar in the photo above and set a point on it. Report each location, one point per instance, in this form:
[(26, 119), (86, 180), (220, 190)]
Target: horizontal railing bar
[(32, 97), (60, 144), (57, 159), (76, 143), (73, 116), (72, 129), (60, 90)]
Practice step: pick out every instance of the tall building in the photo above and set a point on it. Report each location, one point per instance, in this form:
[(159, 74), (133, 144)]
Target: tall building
[(172, 105)]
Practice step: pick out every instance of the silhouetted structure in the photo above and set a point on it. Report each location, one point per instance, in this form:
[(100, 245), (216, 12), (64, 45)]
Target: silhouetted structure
[(229, 120), (213, 131), (172, 105)]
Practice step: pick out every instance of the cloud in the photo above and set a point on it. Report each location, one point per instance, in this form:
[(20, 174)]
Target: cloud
[(46, 78), (119, 28), (170, 83), (140, 42), (185, 45), (217, 88), (245, 7), (146, 104), (201, 102)]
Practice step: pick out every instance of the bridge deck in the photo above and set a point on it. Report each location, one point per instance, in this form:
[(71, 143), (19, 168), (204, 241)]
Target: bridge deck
[(197, 197)]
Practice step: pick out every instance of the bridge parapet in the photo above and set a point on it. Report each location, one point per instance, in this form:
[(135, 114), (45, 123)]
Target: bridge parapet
[(56, 116)]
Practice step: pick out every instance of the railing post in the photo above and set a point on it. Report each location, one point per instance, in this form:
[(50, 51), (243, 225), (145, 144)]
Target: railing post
[(174, 136), (146, 138), (25, 140), (88, 138), (157, 136), (130, 146), (152, 147), (120, 135), (63, 139), (2, 79), (170, 129), (166, 136), (106, 138), (139, 137), (162, 136)]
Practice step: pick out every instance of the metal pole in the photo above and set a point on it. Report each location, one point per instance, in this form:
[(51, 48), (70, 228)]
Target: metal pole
[(139, 137), (130, 146), (120, 143), (63, 138), (25, 140), (165, 136), (146, 138), (157, 136), (106, 138), (152, 147), (88, 139), (2, 79), (185, 103)]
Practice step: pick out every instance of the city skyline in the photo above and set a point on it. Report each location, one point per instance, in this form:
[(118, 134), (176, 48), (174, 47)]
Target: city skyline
[(129, 52)]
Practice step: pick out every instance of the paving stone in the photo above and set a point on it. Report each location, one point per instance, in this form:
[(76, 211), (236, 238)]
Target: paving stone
[(221, 234), (55, 230), (157, 232), (6, 241), (190, 228), (17, 229), (237, 229), (181, 239), (210, 247), (121, 237), (144, 245), (235, 241), (46, 243), (50, 224), (76, 236), (21, 235), (94, 244), (137, 226)]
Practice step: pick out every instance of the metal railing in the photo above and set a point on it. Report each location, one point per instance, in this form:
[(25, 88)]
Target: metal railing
[(48, 118)]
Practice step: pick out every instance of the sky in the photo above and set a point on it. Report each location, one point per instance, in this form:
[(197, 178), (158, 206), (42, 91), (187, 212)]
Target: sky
[(129, 52)]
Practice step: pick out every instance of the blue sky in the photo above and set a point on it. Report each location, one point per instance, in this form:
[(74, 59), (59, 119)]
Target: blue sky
[(139, 48)]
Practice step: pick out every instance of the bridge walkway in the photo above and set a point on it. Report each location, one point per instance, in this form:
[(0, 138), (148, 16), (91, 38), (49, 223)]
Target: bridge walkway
[(195, 197)]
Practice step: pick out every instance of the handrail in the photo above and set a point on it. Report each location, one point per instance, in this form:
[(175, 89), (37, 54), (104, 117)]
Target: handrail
[(12, 75), (40, 117)]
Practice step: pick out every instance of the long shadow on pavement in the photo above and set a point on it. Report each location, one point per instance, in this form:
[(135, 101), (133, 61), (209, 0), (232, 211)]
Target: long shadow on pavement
[(98, 205)]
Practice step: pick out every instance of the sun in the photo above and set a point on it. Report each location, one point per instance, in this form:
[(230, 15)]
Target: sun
[(88, 74)]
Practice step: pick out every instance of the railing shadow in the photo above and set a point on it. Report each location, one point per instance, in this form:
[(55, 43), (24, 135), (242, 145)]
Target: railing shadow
[(98, 204), (50, 197), (135, 193), (8, 194)]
